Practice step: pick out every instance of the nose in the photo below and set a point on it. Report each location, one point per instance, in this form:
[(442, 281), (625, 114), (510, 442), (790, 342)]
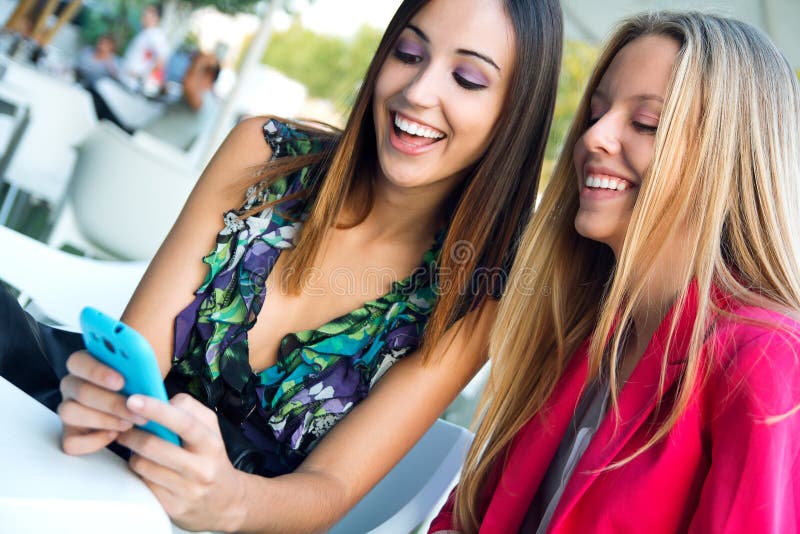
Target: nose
[(604, 135), (423, 89)]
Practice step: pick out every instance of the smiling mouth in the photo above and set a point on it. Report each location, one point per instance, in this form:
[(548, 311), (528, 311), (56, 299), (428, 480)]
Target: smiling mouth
[(612, 183), (413, 133)]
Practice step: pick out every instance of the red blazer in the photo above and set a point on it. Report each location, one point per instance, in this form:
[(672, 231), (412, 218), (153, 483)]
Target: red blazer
[(721, 468)]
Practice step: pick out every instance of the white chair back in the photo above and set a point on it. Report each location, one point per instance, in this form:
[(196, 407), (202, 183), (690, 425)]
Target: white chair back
[(61, 284), (61, 116), (416, 486), (60, 111), (125, 197)]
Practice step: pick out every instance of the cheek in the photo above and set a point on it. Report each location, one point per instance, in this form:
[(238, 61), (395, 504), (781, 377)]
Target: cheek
[(476, 121), (642, 155), (579, 153), (390, 80)]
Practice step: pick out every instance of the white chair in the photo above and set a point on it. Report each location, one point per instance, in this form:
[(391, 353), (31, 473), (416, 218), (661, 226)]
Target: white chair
[(61, 284), (132, 109), (60, 111), (61, 115), (124, 197), (415, 488), (14, 117)]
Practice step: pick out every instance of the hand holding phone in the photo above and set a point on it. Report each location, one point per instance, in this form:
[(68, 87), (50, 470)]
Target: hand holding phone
[(125, 350)]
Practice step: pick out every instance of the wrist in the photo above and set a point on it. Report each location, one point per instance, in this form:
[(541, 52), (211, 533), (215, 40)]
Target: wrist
[(237, 509)]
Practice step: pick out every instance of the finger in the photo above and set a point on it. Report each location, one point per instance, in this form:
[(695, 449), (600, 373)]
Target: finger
[(97, 398), (195, 435), (200, 411), (76, 442), (157, 450), (84, 365), (75, 414), (157, 473), (168, 500)]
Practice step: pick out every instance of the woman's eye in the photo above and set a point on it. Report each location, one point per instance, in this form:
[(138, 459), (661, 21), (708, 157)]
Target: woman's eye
[(407, 57), (592, 120), (467, 84), (645, 128)]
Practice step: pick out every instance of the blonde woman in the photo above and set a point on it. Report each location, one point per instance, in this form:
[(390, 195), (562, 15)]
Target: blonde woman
[(645, 374)]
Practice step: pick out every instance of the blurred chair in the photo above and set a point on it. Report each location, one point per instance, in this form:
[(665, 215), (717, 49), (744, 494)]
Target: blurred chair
[(124, 196), (61, 116), (55, 285), (14, 116), (132, 109), (415, 488)]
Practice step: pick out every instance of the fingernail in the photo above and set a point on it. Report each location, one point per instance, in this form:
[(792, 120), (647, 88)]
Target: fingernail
[(125, 425), (139, 420), (135, 403), (112, 434)]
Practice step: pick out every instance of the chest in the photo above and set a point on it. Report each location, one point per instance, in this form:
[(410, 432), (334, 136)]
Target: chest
[(662, 485), (345, 277)]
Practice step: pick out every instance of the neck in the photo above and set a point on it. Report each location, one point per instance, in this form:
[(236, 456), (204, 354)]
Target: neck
[(660, 292), (406, 213)]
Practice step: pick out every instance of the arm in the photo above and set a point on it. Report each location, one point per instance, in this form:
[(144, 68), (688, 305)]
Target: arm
[(349, 461), (753, 484), (92, 412)]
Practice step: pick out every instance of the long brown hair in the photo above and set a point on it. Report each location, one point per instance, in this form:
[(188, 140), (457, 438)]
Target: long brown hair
[(727, 153), (495, 198)]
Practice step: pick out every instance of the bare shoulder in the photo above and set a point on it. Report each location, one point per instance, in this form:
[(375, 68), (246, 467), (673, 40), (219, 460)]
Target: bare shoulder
[(177, 270), (243, 150)]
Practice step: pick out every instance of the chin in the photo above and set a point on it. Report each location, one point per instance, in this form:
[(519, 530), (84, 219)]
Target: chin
[(405, 181), (593, 231)]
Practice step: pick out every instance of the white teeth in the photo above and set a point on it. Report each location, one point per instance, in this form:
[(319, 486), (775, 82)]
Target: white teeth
[(413, 128), (606, 183)]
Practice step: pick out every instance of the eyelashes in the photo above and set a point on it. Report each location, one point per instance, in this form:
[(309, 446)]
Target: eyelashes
[(645, 128), (408, 58)]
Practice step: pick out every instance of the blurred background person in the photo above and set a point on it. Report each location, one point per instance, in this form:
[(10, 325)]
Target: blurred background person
[(95, 62), (183, 120), (148, 52)]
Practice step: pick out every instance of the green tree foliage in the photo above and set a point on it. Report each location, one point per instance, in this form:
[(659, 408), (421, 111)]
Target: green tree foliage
[(224, 6), (330, 67), (120, 18)]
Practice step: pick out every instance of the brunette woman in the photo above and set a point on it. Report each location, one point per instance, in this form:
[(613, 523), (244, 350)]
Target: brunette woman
[(345, 277)]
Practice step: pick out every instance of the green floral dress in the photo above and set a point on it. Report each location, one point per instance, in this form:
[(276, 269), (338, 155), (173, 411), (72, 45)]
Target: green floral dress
[(320, 374)]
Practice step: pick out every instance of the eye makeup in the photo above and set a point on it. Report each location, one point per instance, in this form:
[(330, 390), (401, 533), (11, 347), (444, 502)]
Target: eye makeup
[(408, 51), (470, 78)]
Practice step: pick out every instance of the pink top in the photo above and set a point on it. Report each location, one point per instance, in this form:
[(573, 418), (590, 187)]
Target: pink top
[(721, 468)]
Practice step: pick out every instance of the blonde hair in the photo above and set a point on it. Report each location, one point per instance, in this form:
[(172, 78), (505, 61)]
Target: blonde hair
[(725, 171)]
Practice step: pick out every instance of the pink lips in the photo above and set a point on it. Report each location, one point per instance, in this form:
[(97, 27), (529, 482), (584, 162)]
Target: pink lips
[(408, 144), (596, 193)]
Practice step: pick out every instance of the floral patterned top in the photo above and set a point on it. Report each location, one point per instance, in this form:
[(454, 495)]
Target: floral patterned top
[(320, 374)]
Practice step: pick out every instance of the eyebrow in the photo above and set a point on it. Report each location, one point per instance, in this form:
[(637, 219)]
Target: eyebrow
[(642, 97), (460, 51)]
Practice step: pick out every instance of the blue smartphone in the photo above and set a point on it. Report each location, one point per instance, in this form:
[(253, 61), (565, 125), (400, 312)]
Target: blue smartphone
[(125, 350)]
